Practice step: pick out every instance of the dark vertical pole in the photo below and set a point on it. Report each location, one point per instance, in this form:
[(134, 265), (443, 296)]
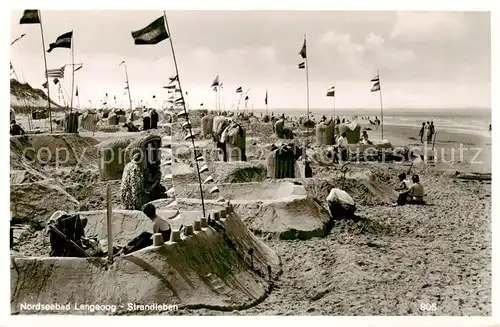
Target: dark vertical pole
[(185, 112), (46, 76)]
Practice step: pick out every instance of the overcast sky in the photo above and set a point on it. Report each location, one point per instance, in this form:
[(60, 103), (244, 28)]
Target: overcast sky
[(426, 59)]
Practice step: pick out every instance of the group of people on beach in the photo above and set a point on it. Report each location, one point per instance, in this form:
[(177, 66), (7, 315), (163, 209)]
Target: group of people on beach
[(149, 119), (410, 192), (427, 131)]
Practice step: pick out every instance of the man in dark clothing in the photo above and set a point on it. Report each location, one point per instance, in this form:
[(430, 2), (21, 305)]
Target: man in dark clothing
[(154, 119), (146, 120), (421, 133), (15, 129)]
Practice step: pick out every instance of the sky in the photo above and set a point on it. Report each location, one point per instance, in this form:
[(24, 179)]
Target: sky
[(425, 59)]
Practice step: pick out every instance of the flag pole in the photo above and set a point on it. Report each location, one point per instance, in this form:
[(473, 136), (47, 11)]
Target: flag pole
[(185, 112), (128, 85), (381, 107), (46, 76), (72, 69), (307, 88)]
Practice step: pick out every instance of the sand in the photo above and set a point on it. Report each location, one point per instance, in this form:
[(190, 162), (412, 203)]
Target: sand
[(385, 261)]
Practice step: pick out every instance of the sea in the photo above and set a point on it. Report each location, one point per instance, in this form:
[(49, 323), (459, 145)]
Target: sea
[(464, 120)]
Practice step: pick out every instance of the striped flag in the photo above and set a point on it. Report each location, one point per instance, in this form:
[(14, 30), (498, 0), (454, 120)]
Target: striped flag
[(154, 33), (375, 79), (330, 92), (302, 65), (63, 41), (58, 72)]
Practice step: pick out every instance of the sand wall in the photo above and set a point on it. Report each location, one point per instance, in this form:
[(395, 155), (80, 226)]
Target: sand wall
[(209, 269)]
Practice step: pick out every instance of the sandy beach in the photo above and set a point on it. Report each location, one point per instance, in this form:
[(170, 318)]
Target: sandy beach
[(384, 261)]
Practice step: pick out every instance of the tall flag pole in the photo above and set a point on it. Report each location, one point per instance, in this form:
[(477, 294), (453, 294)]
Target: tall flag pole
[(128, 85), (72, 70), (216, 87), (376, 87), (35, 17), (303, 54), (183, 103)]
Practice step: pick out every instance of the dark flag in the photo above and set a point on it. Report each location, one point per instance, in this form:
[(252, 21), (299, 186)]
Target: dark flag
[(173, 79), (303, 51), (63, 41), (76, 94), (239, 90), (45, 85), (302, 65), (152, 34), (186, 93), (121, 63), (77, 69), (56, 80), (376, 87), (330, 92), (154, 96), (201, 104), (215, 83), (170, 87), (246, 98), (30, 17), (106, 95), (104, 103), (375, 79), (265, 100), (114, 97)]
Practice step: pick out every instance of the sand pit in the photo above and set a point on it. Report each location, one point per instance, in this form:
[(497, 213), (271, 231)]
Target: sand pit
[(210, 269), (280, 209)]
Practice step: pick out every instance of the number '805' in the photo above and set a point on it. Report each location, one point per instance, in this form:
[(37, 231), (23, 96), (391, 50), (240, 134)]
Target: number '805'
[(428, 306)]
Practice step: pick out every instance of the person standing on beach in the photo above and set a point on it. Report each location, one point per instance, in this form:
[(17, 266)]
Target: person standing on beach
[(342, 145), (146, 120), (432, 130), (421, 133), (429, 132)]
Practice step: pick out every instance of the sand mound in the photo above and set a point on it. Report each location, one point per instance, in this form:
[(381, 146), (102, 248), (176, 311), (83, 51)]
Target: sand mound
[(278, 209), (36, 202), (209, 269), (60, 150)]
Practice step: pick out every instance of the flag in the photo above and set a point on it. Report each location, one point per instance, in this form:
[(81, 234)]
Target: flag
[(45, 85), (114, 97), (201, 104), (173, 79), (126, 87), (376, 87), (215, 89), (76, 94), (265, 100), (239, 90), (77, 69), (375, 79), (215, 82), (121, 63), (303, 51), (152, 34), (104, 103), (30, 17), (154, 96), (106, 95), (63, 41), (246, 98), (330, 92), (56, 80), (22, 35), (58, 72), (186, 93), (302, 65), (170, 87)]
